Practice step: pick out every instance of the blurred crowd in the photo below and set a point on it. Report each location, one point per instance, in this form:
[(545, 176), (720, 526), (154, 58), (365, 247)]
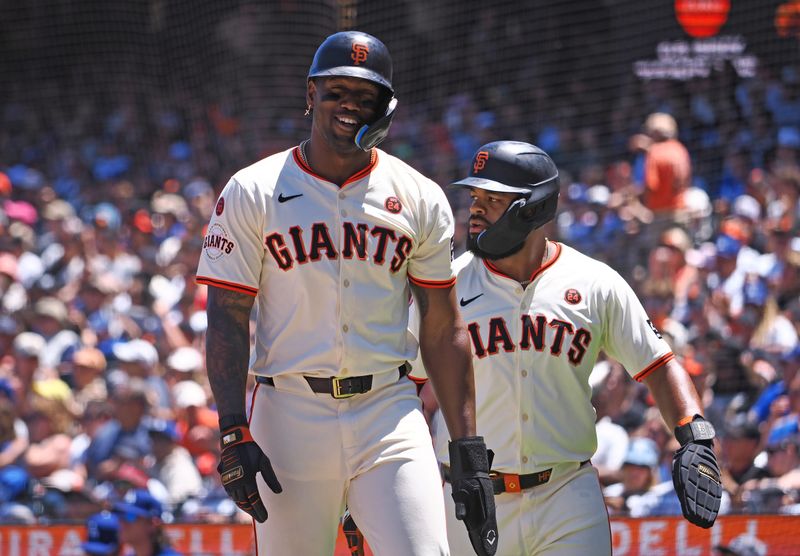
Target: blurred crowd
[(690, 190)]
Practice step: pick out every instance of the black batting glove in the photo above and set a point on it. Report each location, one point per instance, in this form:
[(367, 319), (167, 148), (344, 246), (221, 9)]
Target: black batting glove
[(695, 472), (473, 492), (241, 458)]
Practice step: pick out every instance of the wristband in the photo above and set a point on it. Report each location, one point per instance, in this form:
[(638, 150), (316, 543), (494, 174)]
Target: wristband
[(233, 420), (697, 430)]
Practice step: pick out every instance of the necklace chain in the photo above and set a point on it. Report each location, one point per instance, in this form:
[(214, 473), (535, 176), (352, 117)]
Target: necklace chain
[(303, 156)]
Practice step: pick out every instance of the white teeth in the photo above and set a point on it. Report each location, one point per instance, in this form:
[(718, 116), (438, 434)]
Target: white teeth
[(347, 120)]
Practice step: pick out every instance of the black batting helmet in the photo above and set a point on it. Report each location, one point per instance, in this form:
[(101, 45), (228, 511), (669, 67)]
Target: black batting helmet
[(358, 54), (514, 167)]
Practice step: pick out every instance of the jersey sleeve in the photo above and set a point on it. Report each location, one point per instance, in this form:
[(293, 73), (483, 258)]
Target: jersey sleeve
[(430, 266), (232, 248), (630, 336)]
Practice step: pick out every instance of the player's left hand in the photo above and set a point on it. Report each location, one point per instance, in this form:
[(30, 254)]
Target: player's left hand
[(240, 460), (473, 492), (695, 473)]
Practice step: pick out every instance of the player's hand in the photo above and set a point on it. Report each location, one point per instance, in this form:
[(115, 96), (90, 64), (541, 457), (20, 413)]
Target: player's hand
[(473, 492), (241, 459), (695, 473)]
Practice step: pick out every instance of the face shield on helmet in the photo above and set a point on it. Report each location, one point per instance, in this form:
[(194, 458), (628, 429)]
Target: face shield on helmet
[(357, 54), (513, 167)]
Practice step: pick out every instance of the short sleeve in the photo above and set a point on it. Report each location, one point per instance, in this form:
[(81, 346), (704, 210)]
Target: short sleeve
[(233, 252), (430, 266), (630, 336)]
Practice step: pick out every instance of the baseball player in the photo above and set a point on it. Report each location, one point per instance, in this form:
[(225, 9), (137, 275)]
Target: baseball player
[(538, 314), (329, 239)]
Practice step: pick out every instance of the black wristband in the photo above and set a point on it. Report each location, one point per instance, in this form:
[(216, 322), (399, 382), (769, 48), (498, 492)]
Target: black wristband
[(698, 430), (233, 420)]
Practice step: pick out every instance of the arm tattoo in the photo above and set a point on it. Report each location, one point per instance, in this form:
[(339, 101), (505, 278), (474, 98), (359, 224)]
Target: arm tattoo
[(421, 297), (228, 348)]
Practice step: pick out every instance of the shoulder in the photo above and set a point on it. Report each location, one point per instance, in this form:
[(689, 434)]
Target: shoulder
[(406, 176), (464, 264), (571, 260), (264, 173)]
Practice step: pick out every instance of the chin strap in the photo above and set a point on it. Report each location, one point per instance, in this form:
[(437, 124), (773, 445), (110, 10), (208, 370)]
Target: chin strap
[(371, 135)]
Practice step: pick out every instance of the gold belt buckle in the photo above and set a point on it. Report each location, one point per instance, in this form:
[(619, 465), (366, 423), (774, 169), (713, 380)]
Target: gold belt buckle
[(336, 390)]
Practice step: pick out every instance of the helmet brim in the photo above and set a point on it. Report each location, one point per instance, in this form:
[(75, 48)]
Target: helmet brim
[(490, 185), (347, 71)]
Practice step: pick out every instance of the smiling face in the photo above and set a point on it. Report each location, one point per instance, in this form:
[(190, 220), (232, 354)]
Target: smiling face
[(341, 106)]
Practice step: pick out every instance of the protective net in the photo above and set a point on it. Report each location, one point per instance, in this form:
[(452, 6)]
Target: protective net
[(108, 105)]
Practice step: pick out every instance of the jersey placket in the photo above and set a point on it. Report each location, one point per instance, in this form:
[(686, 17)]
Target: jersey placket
[(527, 375), (344, 303)]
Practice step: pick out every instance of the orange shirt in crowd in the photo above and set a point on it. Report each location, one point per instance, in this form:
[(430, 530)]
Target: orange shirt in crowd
[(667, 173)]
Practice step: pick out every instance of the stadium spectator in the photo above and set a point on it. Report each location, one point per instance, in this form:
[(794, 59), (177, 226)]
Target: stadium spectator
[(49, 425), (102, 535), (612, 439), (141, 524), (639, 475), (781, 482), (125, 434), (173, 465), (667, 168), (741, 442), (86, 378)]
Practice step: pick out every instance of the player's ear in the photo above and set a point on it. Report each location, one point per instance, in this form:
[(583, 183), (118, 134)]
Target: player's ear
[(311, 91)]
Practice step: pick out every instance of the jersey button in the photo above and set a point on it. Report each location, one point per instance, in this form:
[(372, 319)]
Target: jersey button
[(524, 459), (341, 195), (524, 372), (346, 283), (344, 213), (518, 289), (524, 416), (345, 328)]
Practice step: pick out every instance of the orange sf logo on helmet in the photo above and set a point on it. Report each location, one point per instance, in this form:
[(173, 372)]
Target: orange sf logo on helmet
[(480, 161), (359, 54)]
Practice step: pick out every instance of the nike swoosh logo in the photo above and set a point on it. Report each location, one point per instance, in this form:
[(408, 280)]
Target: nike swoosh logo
[(465, 302), (282, 199)]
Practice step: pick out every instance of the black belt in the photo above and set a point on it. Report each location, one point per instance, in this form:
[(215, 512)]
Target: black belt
[(339, 388), (510, 482)]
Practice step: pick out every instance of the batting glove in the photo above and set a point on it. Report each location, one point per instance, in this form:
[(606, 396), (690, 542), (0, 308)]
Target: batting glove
[(473, 492), (695, 472), (240, 460)]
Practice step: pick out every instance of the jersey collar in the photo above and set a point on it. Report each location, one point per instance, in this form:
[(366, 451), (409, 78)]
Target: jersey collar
[(494, 270), (373, 161)]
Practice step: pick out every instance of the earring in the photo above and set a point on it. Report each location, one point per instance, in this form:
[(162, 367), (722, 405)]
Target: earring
[(308, 110)]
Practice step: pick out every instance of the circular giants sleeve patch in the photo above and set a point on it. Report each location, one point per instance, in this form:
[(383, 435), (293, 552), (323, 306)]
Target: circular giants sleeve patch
[(217, 243)]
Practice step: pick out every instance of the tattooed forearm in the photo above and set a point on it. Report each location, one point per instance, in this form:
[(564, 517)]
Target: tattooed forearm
[(421, 299), (228, 348)]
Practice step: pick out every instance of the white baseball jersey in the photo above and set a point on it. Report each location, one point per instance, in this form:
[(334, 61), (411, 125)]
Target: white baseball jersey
[(534, 349), (329, 265)]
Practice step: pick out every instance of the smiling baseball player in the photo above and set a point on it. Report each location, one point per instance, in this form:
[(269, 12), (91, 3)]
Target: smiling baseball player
[(538, 315), (329, 239)]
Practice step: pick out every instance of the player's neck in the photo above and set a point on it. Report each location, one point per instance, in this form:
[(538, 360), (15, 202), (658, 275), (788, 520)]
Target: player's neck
[(534, 254), (333, 166)]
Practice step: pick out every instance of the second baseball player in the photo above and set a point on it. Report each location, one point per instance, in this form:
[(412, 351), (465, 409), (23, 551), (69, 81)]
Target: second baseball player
[(538, 314)]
